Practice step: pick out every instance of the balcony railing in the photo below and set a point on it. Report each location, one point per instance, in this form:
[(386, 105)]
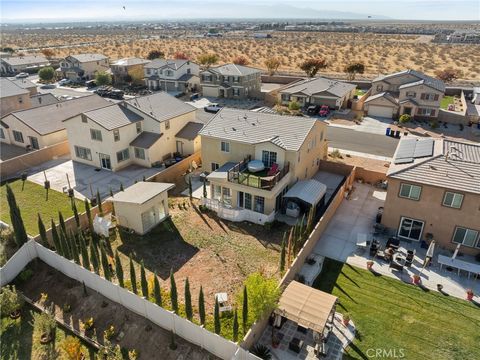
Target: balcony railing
[(239, 174)]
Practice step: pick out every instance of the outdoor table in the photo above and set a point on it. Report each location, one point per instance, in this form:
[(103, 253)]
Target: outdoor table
[(296, 345), (459, 265)]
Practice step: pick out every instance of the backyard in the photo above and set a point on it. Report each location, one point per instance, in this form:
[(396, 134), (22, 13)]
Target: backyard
[(447, 100), (398, 318), (32, 201)]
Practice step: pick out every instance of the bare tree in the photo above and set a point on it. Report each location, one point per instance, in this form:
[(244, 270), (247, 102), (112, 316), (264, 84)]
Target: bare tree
[(272, 65), (311, 66)]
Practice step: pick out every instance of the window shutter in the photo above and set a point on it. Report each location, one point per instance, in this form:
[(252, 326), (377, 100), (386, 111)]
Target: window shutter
[(422, 96), (436, 97)]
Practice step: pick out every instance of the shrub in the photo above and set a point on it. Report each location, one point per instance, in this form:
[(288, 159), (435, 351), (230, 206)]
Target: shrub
[(103, 78), (405, 118), (109, 332), (433, 124), (46, 74), (88, 324), (10, 300), (293, 105), (72, 347), (44, 323)]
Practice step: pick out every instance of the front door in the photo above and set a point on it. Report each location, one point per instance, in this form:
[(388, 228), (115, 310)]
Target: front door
[(105, 161), (407, 110), (180, 147), (34, 142)]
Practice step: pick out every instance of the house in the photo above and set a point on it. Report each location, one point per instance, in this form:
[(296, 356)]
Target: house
[(17, 64), (407, 92), (142, 206), (188, 138), (318, 91), (231, 81), (172, 75), (27, 85), (138, 131), (434, 192), (13, 97), (128, 70), (289, 149), (82, 66), (43, 126), (43, 99)]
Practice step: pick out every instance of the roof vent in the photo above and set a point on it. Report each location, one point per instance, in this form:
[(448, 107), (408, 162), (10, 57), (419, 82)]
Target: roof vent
[(254, 124), (234, 129)]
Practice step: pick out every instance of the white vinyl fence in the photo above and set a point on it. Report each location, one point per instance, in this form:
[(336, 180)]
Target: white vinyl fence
[(167, 320), (237, 215)]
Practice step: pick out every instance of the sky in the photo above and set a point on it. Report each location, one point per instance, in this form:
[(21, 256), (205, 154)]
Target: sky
[(112, 10)]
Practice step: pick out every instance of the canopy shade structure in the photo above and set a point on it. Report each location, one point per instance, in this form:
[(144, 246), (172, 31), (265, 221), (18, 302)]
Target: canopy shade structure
[(308, 307), (310, 191)]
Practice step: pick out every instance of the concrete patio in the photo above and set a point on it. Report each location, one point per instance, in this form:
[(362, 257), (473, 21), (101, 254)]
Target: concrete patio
[(9, 151)]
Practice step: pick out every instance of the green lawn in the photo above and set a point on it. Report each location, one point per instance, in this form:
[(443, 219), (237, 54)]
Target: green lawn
[(18, 340), (359, 92), (391, 315), (447, 100), (32, 200)]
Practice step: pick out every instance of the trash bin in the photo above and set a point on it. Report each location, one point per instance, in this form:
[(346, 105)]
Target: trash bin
[(387, 132), (397, 134)]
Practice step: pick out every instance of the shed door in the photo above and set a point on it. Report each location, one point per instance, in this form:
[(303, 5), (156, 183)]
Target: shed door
[(148, 219)]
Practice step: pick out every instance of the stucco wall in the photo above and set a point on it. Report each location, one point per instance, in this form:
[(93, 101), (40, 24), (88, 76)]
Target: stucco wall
[(12, 103)]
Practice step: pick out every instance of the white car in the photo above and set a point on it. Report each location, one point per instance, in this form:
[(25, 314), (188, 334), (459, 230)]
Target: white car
[(21, 75), (212, 108), (64, 82)]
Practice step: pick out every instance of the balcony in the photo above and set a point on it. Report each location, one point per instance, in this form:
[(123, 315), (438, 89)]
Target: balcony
[(264, 179)]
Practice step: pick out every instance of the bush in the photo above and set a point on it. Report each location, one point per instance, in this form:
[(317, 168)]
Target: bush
[(103, 78), (72, 347), (46, 74), (293, 105), (44, 323), (25, 275), (405, 118), (433, 124), (10, 300)]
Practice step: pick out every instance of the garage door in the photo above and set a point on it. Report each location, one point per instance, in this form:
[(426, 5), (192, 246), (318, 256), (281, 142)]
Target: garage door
[(380, 111), (210, 91), (170, 86)]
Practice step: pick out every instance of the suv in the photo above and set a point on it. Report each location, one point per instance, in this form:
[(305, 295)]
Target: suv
[(324, 110), (313, 109), (212, 108)]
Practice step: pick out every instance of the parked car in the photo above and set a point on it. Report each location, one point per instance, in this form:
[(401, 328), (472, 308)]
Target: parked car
[(64, 82), (194, 96), (115, 94), (90, 84), (212, 108), (313, 109), (21, 75), (324, 110), (48, 86)]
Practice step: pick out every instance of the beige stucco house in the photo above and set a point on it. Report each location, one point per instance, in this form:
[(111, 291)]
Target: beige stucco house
[(128, 70), (172, 75), (407, 92), (434, 192), (13, 97), (138, 131), (290, 149), (318, 91), (16, 64), (142, 206), (231, 81), (82, 66), (43, 125)]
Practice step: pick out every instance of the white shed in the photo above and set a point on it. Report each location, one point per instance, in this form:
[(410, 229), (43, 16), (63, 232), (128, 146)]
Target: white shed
[(142, 206)]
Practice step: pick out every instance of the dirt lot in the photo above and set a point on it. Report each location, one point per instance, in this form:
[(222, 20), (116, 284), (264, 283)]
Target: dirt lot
[(138, 333), (211, 252)]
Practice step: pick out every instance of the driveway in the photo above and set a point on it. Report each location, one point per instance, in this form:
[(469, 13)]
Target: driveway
[(85, 179)]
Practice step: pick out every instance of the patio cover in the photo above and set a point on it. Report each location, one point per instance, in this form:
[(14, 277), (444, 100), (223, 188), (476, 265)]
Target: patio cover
[(310, 191), (306, 306)]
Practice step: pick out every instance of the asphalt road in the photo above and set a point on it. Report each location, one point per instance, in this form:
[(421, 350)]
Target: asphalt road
[(364, 142)]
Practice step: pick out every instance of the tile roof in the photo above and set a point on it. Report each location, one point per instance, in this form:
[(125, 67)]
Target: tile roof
[(49, 118), (130, 62), (10, 88), (24, 60), (43, 99), (171, 63), (422, 79), (189, 131), (313, 86), (385, 95), (113, 116), (234, 70), (161, 106), (145, 139), (288, 132), (24, 83), (453, 165), (141, 192), (88, 57), (186, 77)]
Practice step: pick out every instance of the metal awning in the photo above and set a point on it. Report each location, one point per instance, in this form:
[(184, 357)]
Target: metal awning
[(308, 307), (310, 191)]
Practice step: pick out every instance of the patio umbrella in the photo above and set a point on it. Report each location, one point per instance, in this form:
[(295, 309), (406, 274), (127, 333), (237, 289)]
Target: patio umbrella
[(429, 254), (456, 251)]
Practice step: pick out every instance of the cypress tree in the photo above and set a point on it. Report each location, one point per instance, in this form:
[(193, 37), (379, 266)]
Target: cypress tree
[(235, 326), (84, 251), (94, 258), (74, 247), (133, 277), (121, 187), (56, 239), (190, 190), (157, 291), (143, 281), (201, 306), (105, 266), (65, 245), (173, 293), (75, 214), (216, 317), (99, 203), (119, 269), (204, 188), (20, 234), (42, 231), (188, 301), (245, 309), (89, 217), (282, 255), (61, 221)]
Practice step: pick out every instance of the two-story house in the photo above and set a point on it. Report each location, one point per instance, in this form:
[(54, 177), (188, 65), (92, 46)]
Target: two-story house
[(286, 148), (434, 192), (172, 75), (16, 64), (319, 91), (231, 81), (128, 70), (407, 92), (82, 66), (138, 131)]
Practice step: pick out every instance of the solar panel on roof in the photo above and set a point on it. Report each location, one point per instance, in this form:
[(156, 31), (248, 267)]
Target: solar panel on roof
[(423, 148)]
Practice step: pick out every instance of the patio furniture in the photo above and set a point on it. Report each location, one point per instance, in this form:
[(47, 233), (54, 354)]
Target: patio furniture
[(393, 242), (398, 263), (255, 166), (469, 267), (374, 247), (223, 302), (296, 345), (362, 241), (273, 170), (410, 257)]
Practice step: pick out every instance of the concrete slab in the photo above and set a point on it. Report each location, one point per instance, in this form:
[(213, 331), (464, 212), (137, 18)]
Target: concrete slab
[(9, 151)]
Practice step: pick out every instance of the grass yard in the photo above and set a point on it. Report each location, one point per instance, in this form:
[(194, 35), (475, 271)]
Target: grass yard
[(18, 340), (391, 315), (32, 200), (447, 100), (359, 92)]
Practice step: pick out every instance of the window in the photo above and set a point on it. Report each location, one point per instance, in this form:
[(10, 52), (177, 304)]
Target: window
[(248, 201), (236, 79), (217, 192), (225, 146), (259, 204), (379, 87), (321, 136), (84, 119), (2, 134), (139, 153), (285, 97), (34, 142), (236, 92), (268, 158), (453, 200), (189, 71), (467, 237), (20, 99), (227, 196), (410, 229), (139, 127), (116, 135), (96, 134), (83, 153), (411, 94), (426, 112), (123, 155), (148, 71), (215, 166), (429, 97), (167, 124), (17, 136), (410, 191)]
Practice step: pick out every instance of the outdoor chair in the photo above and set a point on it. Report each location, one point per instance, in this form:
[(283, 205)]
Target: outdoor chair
[(273, 170), (295, 345)]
